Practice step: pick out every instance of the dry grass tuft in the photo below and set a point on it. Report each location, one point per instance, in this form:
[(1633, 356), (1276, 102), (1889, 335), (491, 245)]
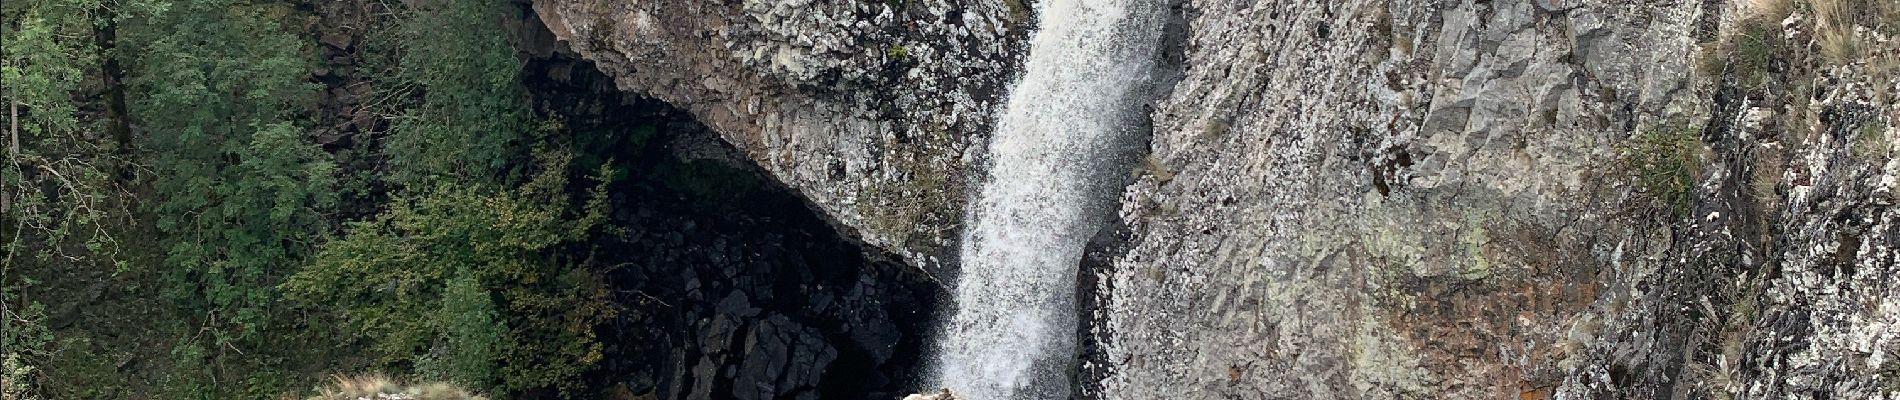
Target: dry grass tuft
[(1152, 165), (1834, 29), (379, 387), (1772, 11)]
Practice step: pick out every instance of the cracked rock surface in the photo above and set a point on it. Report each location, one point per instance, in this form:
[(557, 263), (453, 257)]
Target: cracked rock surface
[(872, 110), (1382, 199), (1547, 199)]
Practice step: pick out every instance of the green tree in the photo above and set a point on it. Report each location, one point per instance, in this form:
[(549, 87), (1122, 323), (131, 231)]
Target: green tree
[(402, 280), (59, 205), (241, 191), (55, 188), (471, 333), (458, 64), (198, 111)]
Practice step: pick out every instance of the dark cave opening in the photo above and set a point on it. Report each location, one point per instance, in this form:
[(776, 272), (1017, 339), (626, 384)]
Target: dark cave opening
[(731, 286)]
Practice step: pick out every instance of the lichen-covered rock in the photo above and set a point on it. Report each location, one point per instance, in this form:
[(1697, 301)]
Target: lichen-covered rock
[(1551, 199), (869, 108)]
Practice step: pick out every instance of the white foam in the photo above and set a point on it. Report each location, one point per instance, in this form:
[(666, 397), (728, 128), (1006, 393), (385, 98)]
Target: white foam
[(1013, 332)]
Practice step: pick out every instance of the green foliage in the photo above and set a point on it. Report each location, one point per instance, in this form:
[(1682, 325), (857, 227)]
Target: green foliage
[(15, 377), (470, 107), (466, 354), (47, 50), (1666, 162), (1755, 51), (23, 347), (58, 202), (241, 190), (191, 377), (415, 279), (583, 141), (53, 184), (476, 272), (82, 357)]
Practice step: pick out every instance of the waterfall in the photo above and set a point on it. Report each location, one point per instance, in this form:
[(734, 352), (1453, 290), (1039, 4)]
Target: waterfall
[(1046, 191)]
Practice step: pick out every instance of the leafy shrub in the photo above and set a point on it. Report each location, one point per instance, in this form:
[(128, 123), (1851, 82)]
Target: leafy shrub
[(457, 65), (23, 342), (241, 191), (56, 182), (471, 330), (416, 278)]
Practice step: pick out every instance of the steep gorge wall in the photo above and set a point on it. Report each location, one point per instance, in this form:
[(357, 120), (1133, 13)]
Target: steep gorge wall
[(1375, 199), (1387, 199)]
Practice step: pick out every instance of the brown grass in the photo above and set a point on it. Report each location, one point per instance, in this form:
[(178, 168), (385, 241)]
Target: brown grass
[(1834, 29), (380, 387), (1152, 165), (1769, 10)]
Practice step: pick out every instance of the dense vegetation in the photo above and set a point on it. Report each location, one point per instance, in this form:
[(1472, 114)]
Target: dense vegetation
[(164, 159)]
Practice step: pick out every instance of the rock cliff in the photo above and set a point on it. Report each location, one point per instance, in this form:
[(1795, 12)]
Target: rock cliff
[(728, 286), (870, 109), (1370, 199), (1378, 199)]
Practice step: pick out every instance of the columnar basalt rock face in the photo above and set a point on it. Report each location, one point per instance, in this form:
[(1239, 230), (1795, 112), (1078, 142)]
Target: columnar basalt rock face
[(1385, 199), (868, 108)]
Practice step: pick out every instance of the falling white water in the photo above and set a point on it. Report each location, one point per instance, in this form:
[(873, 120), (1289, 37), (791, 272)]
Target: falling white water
[(1013, 334)]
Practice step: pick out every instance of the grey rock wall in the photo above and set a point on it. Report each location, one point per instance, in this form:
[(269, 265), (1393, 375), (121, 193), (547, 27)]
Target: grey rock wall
[(1379, 199), (868, 108), (1373, 199)]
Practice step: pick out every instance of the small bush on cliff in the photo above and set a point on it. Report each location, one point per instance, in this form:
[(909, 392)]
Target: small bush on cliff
[(1755, 50), (1666, 161), (23, 346)]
